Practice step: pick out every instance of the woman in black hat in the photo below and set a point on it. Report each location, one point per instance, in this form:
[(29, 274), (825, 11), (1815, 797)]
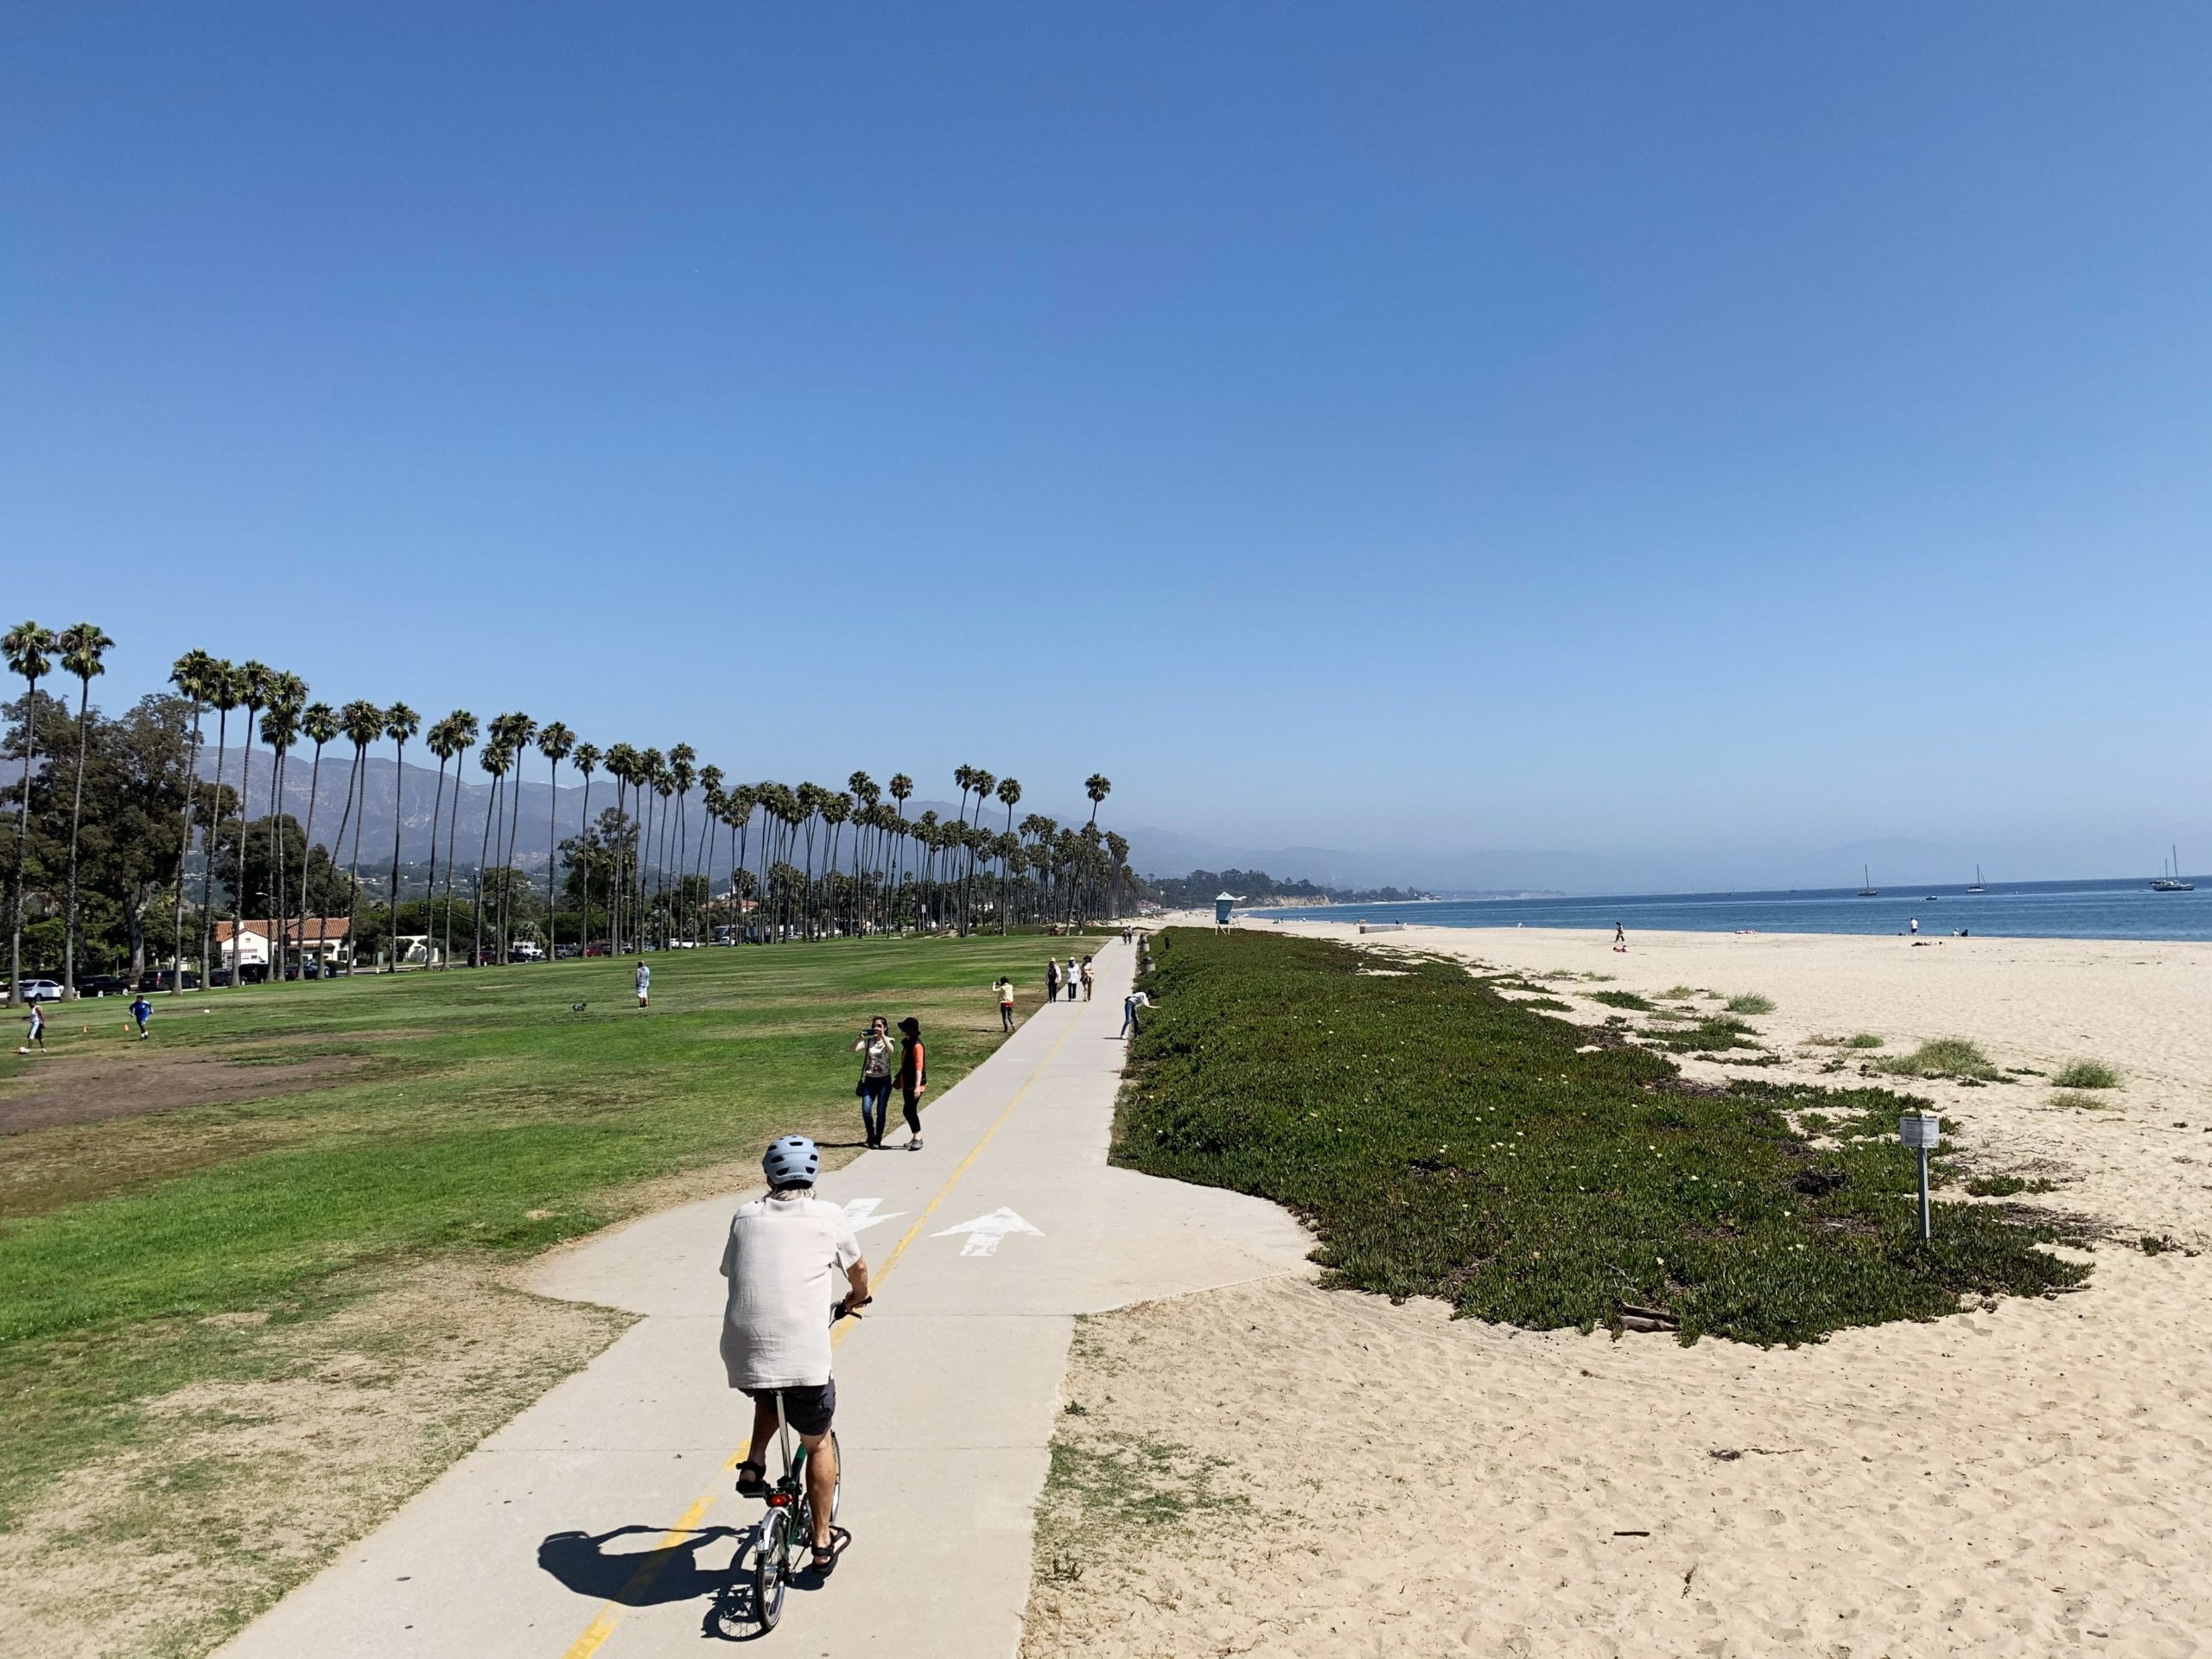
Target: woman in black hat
[(914, 1078)]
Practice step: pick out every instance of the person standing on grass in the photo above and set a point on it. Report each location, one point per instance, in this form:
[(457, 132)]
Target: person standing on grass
[(37, 1017), (1005, 1003), (140, 1011), (914, 1078), (878, 1061), (1130, 1004), (1086, 979), (1052, 979), (644, 981)]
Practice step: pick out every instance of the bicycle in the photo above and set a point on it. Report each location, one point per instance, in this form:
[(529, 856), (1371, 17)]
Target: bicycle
[(786, 1531)]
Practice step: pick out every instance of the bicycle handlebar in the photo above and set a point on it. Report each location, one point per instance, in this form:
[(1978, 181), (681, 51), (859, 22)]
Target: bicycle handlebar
[(846, 1308)]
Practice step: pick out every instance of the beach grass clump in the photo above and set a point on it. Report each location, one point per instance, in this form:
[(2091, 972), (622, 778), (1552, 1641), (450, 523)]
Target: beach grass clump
[(1442, 1142), (2087, 1074), (1679, 992), (1714, 1034), (1943, 1057), (1628, 1000), (2006, 1186), (1751, 1002), (1862, 1040), (2075, 1100)]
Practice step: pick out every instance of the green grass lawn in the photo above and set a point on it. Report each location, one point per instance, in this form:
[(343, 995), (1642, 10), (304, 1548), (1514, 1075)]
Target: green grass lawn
[(485, 1116), (1444, 1141)]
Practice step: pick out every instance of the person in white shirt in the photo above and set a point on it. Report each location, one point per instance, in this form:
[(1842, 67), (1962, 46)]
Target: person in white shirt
[(645, 982), (786, 1260), (1130, 1004), (1070, 979)]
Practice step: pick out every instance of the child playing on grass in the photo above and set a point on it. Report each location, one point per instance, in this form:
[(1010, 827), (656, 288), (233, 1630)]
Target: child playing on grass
[(645, 982), (140, 1011), (38, 1030)]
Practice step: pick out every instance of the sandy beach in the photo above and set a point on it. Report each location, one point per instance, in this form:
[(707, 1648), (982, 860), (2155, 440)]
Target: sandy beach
[(2022, 1477)]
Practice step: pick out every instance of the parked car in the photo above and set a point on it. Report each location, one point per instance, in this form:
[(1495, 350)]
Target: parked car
[(597, 948), (525, 951), (102, 985), (159, 979), (38, 990)]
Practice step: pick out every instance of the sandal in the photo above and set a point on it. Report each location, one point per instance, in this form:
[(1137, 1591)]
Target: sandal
[(752, 1480), (825, 1558)]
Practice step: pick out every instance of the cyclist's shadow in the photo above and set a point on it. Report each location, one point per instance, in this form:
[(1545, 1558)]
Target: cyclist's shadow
[(650, 1577)]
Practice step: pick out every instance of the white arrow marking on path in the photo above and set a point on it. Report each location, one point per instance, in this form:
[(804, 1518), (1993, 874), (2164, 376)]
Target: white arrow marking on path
[(985, 1232), (859, 1214)]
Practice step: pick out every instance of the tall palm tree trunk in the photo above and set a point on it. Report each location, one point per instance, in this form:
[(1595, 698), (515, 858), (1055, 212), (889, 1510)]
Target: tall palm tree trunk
[(483, 859), (208, 835), (306, 861), (353, 865), (184, 846), (552, 858), (276, 861), (452, 828), (238, 891), (430, 883), (76, 815)]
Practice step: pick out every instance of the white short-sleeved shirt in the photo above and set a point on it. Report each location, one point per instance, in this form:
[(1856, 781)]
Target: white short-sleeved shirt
[(645, 977), (785, 1260)]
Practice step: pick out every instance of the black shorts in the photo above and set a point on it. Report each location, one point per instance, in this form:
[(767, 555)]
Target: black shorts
[(808, 1410)]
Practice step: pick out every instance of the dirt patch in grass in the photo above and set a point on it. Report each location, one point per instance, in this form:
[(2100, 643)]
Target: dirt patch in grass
[(95, 1089), (218, 1496)]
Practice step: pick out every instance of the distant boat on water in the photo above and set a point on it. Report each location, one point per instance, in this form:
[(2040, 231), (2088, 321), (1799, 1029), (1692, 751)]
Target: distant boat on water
[(1866, 875), (2172, 881), (1977, 886)]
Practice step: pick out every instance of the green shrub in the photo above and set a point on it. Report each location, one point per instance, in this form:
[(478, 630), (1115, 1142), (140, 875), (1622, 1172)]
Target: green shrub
[(2087, 1074), (1678, 993), (1442, 1142), (1751, 1002), (1623, 1000), (2073, 1100), (2004, 1186), (1946, 1056), (1711, 1035), (1862, 1040)]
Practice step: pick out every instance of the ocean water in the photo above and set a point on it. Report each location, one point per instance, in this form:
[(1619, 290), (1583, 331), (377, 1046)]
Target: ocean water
[(2125, 909)]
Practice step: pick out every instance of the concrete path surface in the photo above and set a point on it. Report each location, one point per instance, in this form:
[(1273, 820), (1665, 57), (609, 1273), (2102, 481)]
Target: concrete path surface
[(602, 1520)]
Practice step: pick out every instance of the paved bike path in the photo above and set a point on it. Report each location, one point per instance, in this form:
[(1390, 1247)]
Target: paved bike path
[(601, 1521)]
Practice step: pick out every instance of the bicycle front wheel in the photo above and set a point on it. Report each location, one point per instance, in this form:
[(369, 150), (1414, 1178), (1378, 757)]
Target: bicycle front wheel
[(769, 1553)]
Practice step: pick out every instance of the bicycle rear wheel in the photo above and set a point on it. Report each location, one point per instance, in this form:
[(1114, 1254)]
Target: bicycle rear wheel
[(769, 1554)]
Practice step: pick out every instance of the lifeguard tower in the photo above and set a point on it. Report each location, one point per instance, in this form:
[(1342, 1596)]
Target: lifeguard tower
[(1223, 904)]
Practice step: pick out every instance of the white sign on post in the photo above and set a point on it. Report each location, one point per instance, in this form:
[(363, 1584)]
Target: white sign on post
[(1917, 1130)]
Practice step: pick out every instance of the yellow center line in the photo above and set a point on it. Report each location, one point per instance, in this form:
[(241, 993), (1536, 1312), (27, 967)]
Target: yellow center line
[(610, 1613)]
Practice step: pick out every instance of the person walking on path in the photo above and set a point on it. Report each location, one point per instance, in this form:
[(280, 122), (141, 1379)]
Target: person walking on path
[(1070, 980), (1086, 979), (38, 1031), (1005, 1003), (644, 981), (914, 1078), (1052, 979), (1130, 1004), (140, 1011), (879, 1060), (787, 1256)]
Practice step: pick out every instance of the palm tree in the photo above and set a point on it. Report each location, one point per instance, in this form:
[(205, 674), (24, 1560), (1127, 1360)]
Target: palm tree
[(902, 788), (587, 759), (1098, 787), (710, 812), (463, 729), (28, 649), (556, 742), (280, 730), (400, 723), (363, 724), (83, 645), (519, 729), (319, 722), (255, 688), (441, 742), (223, 694), (495, 761), (682, 776), (1009, 793), (194, 674)]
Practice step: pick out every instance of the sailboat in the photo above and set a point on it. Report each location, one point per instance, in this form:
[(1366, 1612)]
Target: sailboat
[(2172, 881), (1977, 886), (1869, 891)]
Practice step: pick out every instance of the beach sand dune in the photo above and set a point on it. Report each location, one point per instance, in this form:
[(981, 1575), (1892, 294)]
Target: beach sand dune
[(2024, 1477)]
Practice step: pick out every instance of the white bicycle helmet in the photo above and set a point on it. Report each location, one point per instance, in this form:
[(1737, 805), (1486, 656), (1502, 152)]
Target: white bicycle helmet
[(794, 1160)]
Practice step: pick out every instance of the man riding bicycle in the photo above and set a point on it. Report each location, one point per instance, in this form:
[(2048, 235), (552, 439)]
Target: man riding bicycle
[(787, 1256)]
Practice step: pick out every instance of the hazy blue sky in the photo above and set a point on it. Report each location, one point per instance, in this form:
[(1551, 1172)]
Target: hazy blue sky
[(1625, 430)]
